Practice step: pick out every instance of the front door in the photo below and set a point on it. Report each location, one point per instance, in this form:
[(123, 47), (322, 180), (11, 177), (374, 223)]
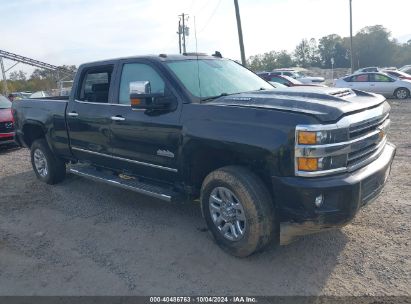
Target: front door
[(88, 116), (360, 82), (144, 142)]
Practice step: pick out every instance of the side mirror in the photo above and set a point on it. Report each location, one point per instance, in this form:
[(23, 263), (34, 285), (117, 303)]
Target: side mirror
[(141, 96)]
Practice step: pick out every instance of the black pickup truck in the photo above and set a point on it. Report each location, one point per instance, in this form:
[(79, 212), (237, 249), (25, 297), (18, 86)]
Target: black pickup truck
[(181, 127)]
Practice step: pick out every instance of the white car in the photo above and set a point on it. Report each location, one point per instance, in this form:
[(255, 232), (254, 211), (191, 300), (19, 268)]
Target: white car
[(299, 76), (40, 94), (406, 69), (380, 83), (367, 69)]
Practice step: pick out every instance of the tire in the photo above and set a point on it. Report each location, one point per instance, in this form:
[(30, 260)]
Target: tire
[(402, 93), (255, 222), (43, 157)]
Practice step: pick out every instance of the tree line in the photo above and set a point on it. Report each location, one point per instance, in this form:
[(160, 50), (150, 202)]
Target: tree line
[(39, 80), (372, 46)]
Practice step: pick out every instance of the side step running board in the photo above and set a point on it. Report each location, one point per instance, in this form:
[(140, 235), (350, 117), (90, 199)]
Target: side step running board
[(159, 192)]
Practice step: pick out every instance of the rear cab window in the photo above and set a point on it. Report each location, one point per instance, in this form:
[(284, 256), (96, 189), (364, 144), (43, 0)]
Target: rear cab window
[(95, 84)]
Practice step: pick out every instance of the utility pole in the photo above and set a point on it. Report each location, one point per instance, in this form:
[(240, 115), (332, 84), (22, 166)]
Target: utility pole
[(184, 29), (179, 35), (184, 34), (351, 48), (240, 33), (5, 89)]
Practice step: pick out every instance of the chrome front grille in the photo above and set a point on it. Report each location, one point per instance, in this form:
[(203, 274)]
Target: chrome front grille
[(6, 127), (375, 130), (370, 125), (365, 139)]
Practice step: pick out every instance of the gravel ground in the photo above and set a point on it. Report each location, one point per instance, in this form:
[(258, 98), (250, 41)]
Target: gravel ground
[(85, 238)]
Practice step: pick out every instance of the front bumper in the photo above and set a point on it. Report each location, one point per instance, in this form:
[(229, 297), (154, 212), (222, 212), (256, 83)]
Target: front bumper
[(7, 138), (343, 194)]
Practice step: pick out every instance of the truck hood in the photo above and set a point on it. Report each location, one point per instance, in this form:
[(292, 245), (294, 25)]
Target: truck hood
[(326, 104)]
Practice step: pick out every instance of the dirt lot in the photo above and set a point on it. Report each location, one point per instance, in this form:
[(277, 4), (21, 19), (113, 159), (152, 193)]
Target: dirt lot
[(85, 238)]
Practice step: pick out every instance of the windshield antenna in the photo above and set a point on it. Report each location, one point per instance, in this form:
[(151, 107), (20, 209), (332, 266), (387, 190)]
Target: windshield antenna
[(198, 64)]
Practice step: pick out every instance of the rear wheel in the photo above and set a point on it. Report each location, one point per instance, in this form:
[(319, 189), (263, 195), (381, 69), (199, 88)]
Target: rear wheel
[(46, 165), (239, 211), (402, 93)]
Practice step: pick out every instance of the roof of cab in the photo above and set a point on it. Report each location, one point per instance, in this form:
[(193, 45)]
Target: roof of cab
[(160, 57)]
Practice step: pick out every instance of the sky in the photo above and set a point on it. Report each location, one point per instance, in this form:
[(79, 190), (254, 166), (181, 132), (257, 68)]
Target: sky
[(76, 31)]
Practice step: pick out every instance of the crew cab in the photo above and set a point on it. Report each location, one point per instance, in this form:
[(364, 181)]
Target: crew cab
[(182, 127)]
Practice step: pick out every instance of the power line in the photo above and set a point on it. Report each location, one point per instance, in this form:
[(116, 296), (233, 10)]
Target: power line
[(211, 16)]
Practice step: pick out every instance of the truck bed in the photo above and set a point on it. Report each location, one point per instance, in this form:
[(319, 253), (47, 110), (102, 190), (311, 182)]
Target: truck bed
[(47, 114)]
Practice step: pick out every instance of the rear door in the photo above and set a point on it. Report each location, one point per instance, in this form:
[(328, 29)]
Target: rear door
[(145, 142), (381, 84), (88, 115)]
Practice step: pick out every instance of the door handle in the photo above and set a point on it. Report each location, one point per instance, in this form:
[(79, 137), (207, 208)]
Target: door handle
[(117, 118), (73, 114)]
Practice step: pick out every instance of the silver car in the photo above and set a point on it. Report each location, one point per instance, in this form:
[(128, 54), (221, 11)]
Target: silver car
[(380, 83)]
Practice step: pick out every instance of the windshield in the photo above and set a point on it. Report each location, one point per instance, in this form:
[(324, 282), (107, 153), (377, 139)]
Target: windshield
[(4, 103), (206, 78)]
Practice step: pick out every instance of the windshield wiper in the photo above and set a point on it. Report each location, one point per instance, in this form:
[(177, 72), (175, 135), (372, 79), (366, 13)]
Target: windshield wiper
[(214, 97), (226, 94)]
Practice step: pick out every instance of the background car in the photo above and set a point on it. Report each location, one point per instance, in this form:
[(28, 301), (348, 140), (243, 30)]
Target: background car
[(298, 75), (284, 80), (367, 69), (406, 69), (380, 83), (6, 122), (277, 85), (398, 74), (40, 94)]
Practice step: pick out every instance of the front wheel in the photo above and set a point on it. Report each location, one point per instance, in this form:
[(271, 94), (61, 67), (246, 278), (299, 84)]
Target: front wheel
[(402, 93), (46, 165), (239, 211)]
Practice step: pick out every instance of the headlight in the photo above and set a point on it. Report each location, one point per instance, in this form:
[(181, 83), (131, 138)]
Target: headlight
[(307, 138), (311, 164), (320, 151), (321, 137)]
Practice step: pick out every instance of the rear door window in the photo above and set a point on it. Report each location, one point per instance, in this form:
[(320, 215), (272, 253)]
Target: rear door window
[(380, 78), (95, 85)]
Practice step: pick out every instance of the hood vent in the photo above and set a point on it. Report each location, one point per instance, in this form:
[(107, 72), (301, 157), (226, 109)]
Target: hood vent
[(342, 93)]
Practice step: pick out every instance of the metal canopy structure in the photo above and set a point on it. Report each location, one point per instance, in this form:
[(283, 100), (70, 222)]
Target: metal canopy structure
[(26, 60)]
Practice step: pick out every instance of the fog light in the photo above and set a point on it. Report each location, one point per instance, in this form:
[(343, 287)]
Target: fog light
[(319, 201), (307, 164)]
